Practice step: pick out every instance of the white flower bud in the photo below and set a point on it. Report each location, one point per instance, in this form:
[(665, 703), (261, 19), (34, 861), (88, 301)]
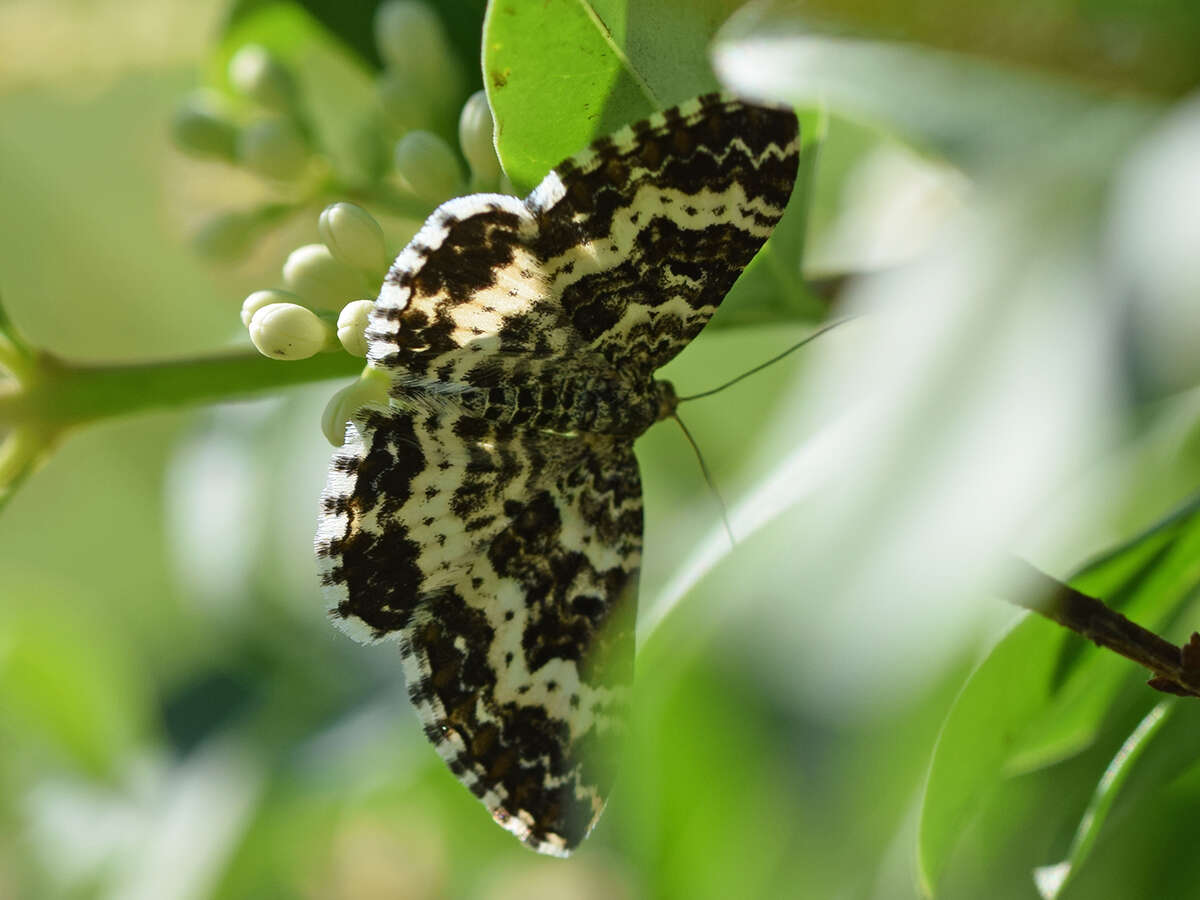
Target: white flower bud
[(274, 148), (352, 326), (371, 387), (323, 282), (256, 74), (403, 105), (337, 413), (410, 38), (428, 167), (475, 136), (417, 55), (354, 238), (289, 331), (201, 127), (259, 299)]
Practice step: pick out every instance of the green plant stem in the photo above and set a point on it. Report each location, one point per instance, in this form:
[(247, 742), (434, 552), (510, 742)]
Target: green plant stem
[(14, 359), (1176, 669), (21, 451), (63, 394)]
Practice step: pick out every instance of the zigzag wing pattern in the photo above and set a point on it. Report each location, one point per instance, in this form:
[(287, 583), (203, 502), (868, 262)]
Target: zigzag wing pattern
[(505, 565), (643, 234), (616, 260)]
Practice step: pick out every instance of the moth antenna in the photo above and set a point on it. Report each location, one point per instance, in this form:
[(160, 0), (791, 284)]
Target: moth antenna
[(770, 362), (708, 478)]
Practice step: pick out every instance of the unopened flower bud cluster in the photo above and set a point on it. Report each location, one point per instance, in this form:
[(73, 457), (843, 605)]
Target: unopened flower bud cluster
[(419, 83), (328, 288), (266, 135), (405, 162), (298, 321), (322, 305)]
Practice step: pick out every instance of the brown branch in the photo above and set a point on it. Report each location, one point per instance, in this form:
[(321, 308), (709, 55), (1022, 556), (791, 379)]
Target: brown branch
[(1176, 669)]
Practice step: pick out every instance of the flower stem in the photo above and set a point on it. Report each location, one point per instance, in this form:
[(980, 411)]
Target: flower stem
[(64, 394), (21, 451), (13, 358)]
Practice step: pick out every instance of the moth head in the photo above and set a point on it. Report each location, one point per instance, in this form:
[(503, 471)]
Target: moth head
[(665, 400)]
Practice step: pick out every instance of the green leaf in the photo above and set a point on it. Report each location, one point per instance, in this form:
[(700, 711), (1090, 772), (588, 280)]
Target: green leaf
[(1042, 694), (609, 64), (1154, 765), (1148, 582), (1052, 880)]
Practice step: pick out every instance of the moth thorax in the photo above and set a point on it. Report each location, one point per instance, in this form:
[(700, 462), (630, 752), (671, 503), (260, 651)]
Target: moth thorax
[(579, 404)]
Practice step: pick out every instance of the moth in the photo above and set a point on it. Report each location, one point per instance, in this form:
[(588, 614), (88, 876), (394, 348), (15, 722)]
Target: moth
[(489, 518)]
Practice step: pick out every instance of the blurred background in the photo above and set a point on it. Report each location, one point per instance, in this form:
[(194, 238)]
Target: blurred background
[(1014, 231)]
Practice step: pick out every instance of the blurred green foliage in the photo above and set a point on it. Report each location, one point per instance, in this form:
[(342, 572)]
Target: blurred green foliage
[(176, 716)]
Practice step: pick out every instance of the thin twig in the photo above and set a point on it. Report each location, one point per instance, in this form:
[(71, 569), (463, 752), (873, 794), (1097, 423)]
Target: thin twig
[(1176, 669)]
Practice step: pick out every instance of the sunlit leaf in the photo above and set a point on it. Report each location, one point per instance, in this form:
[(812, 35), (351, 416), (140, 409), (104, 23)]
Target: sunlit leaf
[(609, 64)]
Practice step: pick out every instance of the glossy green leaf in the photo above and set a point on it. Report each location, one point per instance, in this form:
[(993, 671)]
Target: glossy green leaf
[(610, 63), (1042, 693)]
